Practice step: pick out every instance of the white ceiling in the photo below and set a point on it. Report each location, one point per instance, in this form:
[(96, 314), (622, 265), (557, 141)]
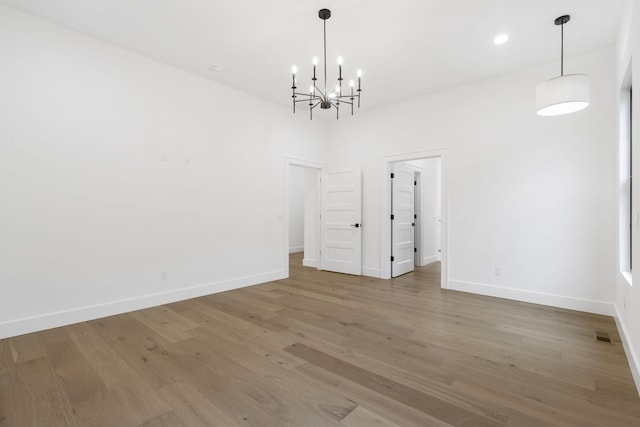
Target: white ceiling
[(405, 48)]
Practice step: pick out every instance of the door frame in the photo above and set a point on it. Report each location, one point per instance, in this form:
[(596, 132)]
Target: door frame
[(417, 208), (386, 210), (288, 162)]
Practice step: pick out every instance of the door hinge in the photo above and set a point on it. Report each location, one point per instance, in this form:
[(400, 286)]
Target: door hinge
[(413, 224), (392, 175), (415, 182), (392, 259), (392, 217), (415, 216), (415, 249)]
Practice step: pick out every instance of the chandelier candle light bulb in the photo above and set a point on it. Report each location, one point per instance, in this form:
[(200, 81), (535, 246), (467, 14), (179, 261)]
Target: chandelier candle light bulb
[(359, 74), (315, 63), (316, 96)]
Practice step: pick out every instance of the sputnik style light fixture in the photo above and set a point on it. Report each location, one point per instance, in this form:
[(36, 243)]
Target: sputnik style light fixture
[(324, 98), (566, 93)]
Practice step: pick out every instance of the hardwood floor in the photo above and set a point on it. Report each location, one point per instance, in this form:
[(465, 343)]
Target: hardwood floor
[(324, 349)]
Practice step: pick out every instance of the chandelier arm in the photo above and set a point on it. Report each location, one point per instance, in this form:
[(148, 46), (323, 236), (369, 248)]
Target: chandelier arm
[(323, 95), (343, 97), (303, 100)]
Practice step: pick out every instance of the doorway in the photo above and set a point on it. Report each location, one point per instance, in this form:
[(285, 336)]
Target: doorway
[(429, 213), (329, 231), (302, 206)]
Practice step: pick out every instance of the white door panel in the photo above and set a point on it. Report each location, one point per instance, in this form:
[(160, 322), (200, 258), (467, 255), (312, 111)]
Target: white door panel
[(402, 223), (340, 222)]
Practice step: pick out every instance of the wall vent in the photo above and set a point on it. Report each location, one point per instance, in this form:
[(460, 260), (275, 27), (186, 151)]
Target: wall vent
[(603, 337)]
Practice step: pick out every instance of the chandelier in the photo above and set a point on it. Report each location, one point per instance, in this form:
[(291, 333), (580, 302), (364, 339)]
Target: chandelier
[(323, 97)]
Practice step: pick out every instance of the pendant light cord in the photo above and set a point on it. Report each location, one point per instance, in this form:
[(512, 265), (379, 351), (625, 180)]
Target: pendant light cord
[(562, 49), (325, 57)]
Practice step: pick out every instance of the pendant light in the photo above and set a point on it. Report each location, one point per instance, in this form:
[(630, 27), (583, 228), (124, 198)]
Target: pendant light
[(566, 93)]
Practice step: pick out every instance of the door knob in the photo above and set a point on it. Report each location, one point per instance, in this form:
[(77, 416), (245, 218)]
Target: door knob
[(356, 225)]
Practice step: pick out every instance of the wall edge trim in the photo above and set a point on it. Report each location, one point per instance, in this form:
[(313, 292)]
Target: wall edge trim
[(632, 356), (552, 300), (45, 321), (372, 272)]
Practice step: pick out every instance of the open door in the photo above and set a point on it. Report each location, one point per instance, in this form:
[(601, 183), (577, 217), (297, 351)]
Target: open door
[(340, 221), (402, 220)]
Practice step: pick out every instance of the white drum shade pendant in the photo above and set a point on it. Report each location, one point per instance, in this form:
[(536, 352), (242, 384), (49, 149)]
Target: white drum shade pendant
[(566, 93), (563, 95)]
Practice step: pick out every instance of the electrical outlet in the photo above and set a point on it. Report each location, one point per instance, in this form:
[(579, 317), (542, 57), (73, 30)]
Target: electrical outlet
[(163, 275), (498, 270), (165, 157)]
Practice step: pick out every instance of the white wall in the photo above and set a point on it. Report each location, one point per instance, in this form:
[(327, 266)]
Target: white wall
[(535, 195), (628, 295), (296, 208), (92, 214), (430, 210), (93, 211)]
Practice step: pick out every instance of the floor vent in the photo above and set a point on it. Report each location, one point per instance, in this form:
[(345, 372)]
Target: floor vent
[(603, 337)]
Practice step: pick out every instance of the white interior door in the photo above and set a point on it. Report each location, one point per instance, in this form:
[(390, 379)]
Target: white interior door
[(402, 220), (340, 221)]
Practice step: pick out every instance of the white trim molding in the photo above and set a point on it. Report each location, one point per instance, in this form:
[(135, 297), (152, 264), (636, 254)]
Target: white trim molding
[(632, 355), (310, 262), (559, 301), (27, 325), (372, 272), (430, 259)]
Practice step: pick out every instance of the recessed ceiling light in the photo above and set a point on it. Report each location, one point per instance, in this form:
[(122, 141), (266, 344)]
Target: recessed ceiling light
[(501, 39)]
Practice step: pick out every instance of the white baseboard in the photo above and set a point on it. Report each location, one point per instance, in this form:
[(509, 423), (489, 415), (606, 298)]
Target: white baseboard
[(308, 262), (632, 355), (296, 249), (560, 301), (372, 272), (26, 325), (430, 260)]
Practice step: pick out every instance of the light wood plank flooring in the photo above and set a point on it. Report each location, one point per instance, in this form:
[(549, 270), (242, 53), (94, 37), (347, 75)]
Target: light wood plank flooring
[(324, 349)]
